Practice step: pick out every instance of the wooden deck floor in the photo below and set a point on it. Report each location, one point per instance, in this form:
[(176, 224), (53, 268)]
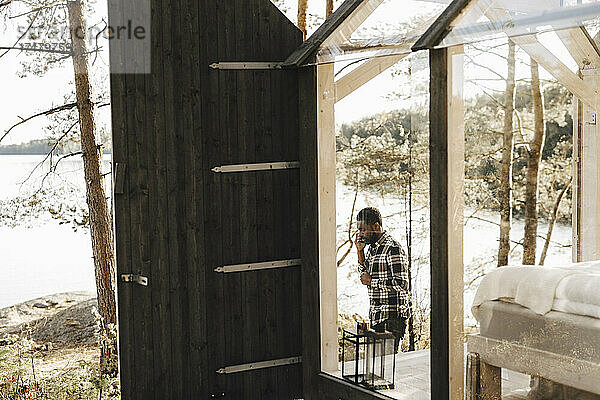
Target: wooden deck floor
[(412, 379)]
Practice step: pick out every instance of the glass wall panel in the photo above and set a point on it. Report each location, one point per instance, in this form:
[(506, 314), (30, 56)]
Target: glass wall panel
[(518, 215), (382, 161), (390, 28), (489, 19), (530, 182)]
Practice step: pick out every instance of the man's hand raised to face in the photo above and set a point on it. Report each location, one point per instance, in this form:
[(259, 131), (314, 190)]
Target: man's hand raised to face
[(359, 242), (365, 279)]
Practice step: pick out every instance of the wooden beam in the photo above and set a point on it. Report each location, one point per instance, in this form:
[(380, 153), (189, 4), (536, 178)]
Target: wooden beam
[(490, 382), (326, 213), (363, 74), (528, 6), (556, 68), (588, 155), (570, 371), (577, 179), (344, 19), (446, 148), (455, 205), (581, 46), (438, 159), (438, 30), (517, 5)]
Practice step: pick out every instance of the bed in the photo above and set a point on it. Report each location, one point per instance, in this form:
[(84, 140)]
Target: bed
[(540, 321)]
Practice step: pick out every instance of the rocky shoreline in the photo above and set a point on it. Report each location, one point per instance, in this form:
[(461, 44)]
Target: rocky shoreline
[(62, 318)]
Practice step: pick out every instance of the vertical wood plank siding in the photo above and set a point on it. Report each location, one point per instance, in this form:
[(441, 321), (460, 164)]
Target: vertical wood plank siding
[(121, 202), (177, 220)]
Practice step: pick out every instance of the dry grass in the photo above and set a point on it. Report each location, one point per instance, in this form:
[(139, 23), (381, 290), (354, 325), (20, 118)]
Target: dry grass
[(33, 371)]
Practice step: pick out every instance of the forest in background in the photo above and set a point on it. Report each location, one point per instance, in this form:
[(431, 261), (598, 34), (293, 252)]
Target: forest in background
[(45, 146), (373, 153), (387, 156)]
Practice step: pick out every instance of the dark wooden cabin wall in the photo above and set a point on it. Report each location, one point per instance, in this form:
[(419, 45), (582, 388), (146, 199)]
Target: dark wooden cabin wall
[(176, 220)]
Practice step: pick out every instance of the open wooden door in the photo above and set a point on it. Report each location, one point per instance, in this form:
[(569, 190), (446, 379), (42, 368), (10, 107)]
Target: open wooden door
[(207, 204)]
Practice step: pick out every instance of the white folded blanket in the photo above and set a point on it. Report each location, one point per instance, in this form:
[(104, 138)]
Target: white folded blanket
[(537, 287)]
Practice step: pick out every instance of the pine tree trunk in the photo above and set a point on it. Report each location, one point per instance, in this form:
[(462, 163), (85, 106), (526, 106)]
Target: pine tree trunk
[(533, 163), (100, 220), (506, 166), (302, 6), (328, 8)]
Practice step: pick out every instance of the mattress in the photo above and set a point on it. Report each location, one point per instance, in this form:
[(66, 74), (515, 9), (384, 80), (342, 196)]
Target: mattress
[(571, 288), (558, 332)]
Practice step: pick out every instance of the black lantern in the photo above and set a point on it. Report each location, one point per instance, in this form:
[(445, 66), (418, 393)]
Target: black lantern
[(368, 358)]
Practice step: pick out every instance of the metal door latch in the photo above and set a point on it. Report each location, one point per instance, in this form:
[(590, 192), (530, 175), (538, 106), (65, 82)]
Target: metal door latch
[(246, 65), (232, 369), (260, 265), (257, 166), (139, 279)]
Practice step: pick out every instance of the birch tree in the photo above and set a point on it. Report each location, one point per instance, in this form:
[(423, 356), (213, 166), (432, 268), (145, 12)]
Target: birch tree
[(506, 163), (534, 155)]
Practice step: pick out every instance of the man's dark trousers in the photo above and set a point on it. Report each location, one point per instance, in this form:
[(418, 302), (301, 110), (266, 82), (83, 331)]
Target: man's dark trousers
[(394, 325)]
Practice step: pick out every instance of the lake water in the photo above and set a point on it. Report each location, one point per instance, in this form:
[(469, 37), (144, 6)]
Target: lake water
[(45, 257)]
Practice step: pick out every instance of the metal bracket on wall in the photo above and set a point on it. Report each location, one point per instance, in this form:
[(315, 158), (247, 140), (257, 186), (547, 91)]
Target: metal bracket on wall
[(257, 167), (258, 365), (246, 65), (260, 265), (139, 279)]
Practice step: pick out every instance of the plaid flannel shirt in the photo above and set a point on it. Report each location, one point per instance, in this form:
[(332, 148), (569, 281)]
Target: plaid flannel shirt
[(386, 262)]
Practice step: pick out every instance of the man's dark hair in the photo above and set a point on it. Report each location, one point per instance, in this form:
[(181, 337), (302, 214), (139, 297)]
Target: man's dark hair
[(369, 215)]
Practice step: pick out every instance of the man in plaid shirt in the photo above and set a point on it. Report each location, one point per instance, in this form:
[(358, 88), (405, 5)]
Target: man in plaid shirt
[(384, 270)]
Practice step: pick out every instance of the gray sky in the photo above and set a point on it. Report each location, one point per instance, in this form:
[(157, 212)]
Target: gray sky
[(24, 96)]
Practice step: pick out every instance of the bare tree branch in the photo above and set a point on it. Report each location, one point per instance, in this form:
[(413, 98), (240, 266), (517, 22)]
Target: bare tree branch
[(97, 50), (341, 260), (75, 153), (54, 110), (472, 61), (37, 9), (23, 35), (484, 90), (553, 220), (49, 154)]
